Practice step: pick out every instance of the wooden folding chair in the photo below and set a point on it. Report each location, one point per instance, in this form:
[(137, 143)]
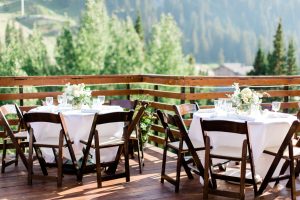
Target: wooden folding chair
[(135, 133), (56, 144), (15, 138), (286, 151), (186, 111), (174, 127), (242, 154), (96, 142), (128, 104)]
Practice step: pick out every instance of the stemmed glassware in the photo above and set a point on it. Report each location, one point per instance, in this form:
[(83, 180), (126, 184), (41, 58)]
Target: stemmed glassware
[(101, 100), (60, 99), (49, 101), (276, 105)]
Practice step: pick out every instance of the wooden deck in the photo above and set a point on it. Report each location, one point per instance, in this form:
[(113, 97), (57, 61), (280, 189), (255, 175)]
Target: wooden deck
[(13, 185)]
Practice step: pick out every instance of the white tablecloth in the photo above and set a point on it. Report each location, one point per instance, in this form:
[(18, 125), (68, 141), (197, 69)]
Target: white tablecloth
[(266, 130), (79, 124)]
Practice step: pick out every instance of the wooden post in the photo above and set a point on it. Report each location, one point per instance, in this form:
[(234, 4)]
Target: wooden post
[(182, 90), (128, 88), (192, 91), (286, 99), (21, 92), (156, 120)]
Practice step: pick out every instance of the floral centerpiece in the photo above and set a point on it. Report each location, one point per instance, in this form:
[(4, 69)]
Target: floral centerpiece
[(243, 99), (78, 94)]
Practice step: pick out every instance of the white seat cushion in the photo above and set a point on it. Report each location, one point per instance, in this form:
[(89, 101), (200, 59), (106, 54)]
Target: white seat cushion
[(235, 152), (49, 141), (196, 145), (109, 140), (21, 134), (274, 149)]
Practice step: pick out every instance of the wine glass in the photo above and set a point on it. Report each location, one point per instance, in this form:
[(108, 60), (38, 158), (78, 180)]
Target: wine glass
[(101, 100), (95, 103), (276, 105), (49, 101), (60, 99)]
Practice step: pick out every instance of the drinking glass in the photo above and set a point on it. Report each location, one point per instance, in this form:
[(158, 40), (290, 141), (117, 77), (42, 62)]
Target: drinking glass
[(217, 105), (101, 100), (276, 105), (49, 101), (60, 99), (95, 103)]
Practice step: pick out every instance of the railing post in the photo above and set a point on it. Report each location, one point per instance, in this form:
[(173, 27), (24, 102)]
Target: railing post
[(156, 120), (286, 99), (21, 92), (128, 88), (192, 91), (182, 90)]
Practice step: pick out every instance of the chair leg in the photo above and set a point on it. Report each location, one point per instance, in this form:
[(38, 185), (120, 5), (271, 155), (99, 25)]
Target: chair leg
[(59, 160), (17, 155), (243, 170), (178, 170), (163, 168), (139, 156), (206, 168), (3, 156), (283, 169), (127, 172), (292, 172), (98, 161), (30, 159), (186, 168)]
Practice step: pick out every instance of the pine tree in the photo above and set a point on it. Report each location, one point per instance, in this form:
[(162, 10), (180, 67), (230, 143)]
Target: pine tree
[(65, 52), (12, 34), (292, 68), (278, 64), (92, 39), (7, 34), (36, 61), (125, 52), (12, 54), (165, 54), (260, 63), (139, 26)]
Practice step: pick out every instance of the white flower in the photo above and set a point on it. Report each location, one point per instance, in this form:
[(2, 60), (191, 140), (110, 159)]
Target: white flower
[(244, 96), (77, 93)]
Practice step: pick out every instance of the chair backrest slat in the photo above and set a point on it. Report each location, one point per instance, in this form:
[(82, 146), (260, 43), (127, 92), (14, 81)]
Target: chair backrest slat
[(224, 126), (113, 117), (185, 109), (42, 117), (128, 104)]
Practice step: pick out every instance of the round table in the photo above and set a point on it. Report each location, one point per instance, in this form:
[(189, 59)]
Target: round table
[(78, 124)]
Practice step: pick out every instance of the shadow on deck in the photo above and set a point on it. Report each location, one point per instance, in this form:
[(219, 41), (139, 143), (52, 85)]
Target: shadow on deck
[(13, 184)]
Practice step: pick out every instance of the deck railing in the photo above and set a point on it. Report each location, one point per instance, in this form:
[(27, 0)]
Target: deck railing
[(162, 91)]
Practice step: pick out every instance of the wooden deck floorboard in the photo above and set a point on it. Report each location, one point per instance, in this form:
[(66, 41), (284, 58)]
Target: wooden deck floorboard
[(13, 185)]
